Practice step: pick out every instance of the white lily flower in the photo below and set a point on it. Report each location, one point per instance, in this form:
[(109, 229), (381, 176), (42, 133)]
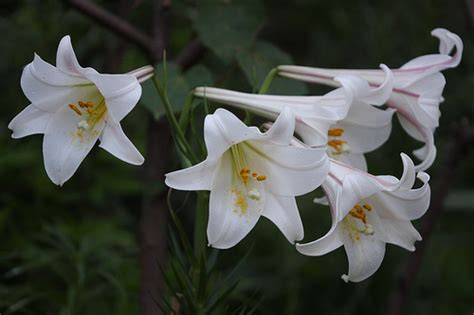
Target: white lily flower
[(417, 90), (342, 119), (74, 107), (252, 174), (368, 212)]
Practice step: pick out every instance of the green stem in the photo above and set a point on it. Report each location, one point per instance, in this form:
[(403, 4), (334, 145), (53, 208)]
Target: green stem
[(177, 131), (200, 224), (268, 80)]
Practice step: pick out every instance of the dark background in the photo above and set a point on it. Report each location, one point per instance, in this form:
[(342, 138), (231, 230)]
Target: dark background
[(75, 249)]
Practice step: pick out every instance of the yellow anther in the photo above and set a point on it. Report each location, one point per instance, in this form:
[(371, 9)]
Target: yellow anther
[(74, 108), (367, 207), (336, 143), (261, 178), (87, 104), (358, 209), (335, 132), (254, 174), (358, 213)]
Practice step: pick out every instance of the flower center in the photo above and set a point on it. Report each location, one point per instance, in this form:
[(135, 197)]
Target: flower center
[(356, 221), (91, 114), (246, 183), (336, 145)]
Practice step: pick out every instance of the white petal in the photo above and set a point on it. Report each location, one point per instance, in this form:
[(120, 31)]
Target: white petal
[(121, 93), (356, 160), (414, 129), (290, 171), (398, 232), (29, 121), (115, 141), (314, 132), (48, 88), (63, 149), (365, 255), (283, 129), (360, 90), (366, 128), (66, 60), (197, 177), (329, 242), (227, 225), (408, 177), (283, 212), (404, 204), (223, 129)]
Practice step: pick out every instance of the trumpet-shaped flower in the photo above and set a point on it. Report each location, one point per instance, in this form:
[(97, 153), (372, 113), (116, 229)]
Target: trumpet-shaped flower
[(343, 119), (74, 107), (252, 174), (368, 212), (417, 90)]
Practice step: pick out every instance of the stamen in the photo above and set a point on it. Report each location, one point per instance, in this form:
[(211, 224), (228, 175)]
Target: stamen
[(88, 104), (335, 132), (261, 178), (75, 109), (254, 174), (367, 207)]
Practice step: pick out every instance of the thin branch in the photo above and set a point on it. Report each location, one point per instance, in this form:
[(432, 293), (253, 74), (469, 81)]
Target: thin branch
[(114, 23), (470, 11), (459, 145), (190, 54), (153, 46)]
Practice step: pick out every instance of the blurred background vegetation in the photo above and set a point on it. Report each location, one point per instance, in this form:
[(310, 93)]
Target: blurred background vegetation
[(74, 249)]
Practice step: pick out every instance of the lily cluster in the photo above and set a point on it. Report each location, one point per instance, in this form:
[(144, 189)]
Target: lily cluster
[(250, 173)]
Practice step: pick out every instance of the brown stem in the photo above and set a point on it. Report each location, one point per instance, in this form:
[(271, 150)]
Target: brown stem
[(190, 54), (116, 24), (456, 149), (154, 218)]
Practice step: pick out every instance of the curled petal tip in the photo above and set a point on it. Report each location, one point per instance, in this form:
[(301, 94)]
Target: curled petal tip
[(345, 278)]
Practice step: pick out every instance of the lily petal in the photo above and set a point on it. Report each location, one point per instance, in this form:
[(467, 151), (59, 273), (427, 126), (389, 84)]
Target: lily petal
[(121, 93), (292, 171), (398, 232), (115, 141), (365, 256), (196, 177), (66, 60), (223, 129), (63, 148), (283, 129), (227, 227), (29, 121), (38, 82), (283, 212)]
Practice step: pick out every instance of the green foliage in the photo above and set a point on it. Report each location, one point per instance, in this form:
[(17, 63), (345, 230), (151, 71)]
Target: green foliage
[(262, 57), (194, 283), (227, 26), (71, 269), (179, 85)]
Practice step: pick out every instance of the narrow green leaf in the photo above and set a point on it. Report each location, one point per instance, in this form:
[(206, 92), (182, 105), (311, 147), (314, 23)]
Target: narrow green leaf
[(259, 60)]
